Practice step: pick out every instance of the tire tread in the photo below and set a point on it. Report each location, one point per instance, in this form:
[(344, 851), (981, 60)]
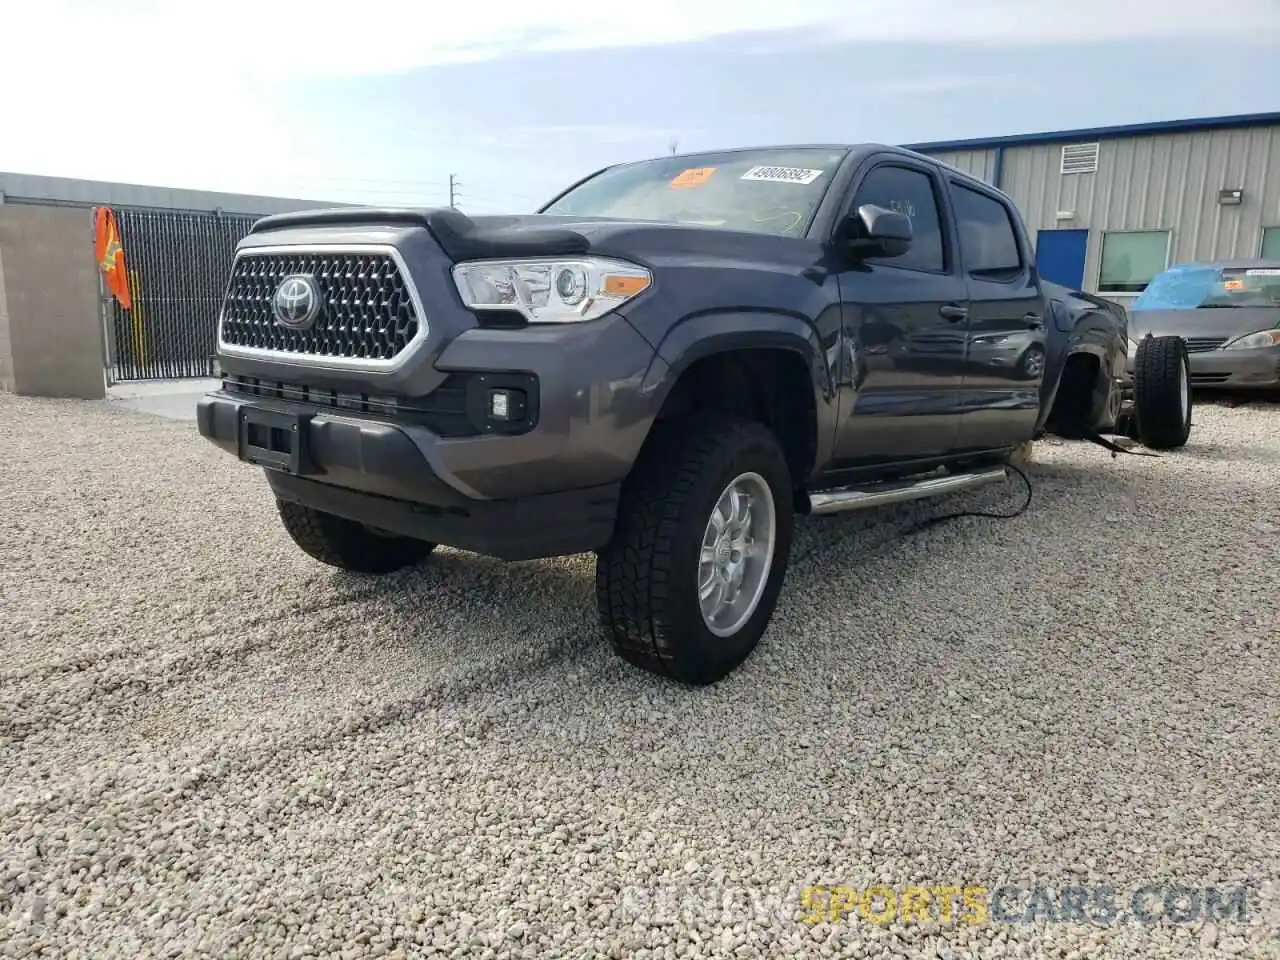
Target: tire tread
[(1157, 392), (634, 574)]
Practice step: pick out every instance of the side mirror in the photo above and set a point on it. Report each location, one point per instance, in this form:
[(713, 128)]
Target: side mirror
[(876, 232)]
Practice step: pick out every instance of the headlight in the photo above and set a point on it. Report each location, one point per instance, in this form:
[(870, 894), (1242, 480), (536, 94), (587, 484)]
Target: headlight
[(1254, 341), (550, 291)]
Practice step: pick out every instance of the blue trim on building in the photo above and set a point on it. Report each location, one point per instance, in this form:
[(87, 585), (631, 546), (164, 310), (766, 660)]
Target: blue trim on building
[(1193, 125)]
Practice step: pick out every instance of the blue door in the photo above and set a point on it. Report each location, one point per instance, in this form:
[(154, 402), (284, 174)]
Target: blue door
[(1060, 256)]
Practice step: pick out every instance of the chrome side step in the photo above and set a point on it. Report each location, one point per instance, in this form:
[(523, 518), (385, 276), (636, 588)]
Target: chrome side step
[(881, 494)]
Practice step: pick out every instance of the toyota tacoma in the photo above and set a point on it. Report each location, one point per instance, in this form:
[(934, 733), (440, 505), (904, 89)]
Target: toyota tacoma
[(664, 366)]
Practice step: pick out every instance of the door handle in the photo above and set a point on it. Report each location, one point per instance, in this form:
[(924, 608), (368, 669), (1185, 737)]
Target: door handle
[(1033, 321), (953, 312)]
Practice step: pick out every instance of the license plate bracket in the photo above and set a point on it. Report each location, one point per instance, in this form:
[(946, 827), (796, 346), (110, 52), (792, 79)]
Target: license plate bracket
[(277, 441)]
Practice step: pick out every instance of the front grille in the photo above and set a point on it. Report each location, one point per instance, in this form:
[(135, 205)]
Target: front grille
[(367, 311), (443, 411), (1204, 344)]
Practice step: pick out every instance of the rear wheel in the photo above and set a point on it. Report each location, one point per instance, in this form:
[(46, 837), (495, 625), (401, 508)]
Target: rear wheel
[(348, 545), (688, 584), (1162, 392)]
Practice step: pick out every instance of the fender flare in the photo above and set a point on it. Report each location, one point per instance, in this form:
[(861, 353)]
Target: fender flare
[(701, 335)]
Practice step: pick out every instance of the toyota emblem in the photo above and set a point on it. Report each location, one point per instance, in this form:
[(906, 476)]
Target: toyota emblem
[(296, 301)]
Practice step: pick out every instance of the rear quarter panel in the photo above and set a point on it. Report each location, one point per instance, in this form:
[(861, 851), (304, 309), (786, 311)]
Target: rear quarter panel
[(1081, 323)]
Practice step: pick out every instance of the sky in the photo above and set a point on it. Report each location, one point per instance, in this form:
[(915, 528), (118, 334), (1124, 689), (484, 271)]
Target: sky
[(381, 101)]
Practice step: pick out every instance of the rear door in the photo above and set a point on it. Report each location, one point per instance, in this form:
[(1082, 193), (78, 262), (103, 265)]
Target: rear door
[(904, 323), (1007, 322)]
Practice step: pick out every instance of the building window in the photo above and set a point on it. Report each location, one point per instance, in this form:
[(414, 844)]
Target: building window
[(1270, 243), (1130, 260)]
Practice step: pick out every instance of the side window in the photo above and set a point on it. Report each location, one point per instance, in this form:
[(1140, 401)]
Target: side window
[(988, 242), (909, 192)]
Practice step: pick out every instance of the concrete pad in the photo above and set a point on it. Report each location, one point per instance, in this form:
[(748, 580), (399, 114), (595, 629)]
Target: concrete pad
[(172, 399)]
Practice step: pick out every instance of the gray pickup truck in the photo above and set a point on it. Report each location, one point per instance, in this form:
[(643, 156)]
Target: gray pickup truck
[(663, 366)]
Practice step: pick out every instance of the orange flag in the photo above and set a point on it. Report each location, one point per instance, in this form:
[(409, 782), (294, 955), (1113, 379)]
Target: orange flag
[(110, 253)]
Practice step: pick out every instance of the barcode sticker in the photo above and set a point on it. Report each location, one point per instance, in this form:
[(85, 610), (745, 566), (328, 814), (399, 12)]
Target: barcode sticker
[(782, 174), (1262, 272)]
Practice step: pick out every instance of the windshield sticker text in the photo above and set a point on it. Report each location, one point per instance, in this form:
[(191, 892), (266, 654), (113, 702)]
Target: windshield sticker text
[(782, 174), (1263, 272), (693, 177)]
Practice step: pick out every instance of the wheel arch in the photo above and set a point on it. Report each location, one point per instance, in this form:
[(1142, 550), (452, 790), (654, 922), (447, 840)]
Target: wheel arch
[(771, 366)]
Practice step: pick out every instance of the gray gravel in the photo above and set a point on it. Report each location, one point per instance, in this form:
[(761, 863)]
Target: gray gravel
[(211, 745)]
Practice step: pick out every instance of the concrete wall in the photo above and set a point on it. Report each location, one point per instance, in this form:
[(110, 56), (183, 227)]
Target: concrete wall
[(51, 307), (6, 348), (52, 301), (1148, 182)]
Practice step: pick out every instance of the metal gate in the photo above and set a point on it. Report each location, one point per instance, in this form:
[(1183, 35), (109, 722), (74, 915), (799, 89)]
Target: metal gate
[(178, 264)]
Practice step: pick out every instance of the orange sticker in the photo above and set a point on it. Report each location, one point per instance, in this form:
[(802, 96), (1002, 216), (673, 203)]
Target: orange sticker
[(693, 177), (1234, 285)]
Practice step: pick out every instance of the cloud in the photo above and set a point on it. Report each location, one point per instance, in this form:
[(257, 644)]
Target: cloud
[(172, 41)]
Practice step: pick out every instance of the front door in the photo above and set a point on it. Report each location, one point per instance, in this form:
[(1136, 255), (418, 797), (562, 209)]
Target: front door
[(1007, 322), (905, 326), (1060, 256)]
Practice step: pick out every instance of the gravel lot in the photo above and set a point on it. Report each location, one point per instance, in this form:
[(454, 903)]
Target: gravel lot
[(211, 745)]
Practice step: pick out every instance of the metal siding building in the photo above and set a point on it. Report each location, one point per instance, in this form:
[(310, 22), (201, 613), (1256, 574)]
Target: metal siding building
[(1149, 195)]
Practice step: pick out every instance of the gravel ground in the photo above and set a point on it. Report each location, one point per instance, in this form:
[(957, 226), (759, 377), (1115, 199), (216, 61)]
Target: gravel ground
[(211, 745)]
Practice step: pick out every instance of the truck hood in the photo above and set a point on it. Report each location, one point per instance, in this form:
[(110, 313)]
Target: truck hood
[(1213, 322), (463, 237)]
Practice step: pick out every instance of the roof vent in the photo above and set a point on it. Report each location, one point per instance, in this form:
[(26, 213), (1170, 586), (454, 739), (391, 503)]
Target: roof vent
[(1080, 158)]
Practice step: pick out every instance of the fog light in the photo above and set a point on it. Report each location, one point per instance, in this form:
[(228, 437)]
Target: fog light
[(501, 403), (508, 406)]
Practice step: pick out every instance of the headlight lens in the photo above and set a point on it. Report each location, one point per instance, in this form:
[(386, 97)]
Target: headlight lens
[(1253, 341), (551, 291)]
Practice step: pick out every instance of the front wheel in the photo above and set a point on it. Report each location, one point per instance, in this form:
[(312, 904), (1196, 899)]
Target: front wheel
[(690, 580)]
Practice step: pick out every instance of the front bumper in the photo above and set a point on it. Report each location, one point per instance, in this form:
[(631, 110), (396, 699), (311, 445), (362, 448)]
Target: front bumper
[(546, 486), (380, 474), (1232, 369)]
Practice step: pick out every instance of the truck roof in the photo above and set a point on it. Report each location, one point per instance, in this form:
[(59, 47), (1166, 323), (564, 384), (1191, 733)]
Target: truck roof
[(847, 148)]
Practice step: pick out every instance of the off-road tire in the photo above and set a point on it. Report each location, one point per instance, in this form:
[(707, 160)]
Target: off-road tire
[(1162, 384), (646, 578), (343, 543)]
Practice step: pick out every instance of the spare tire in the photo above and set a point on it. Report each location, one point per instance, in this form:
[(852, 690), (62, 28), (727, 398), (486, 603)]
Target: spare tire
[(1162, 392)]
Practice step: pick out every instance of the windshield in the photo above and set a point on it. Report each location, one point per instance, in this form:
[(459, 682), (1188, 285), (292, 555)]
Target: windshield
[(1193, 288), (763, 191)]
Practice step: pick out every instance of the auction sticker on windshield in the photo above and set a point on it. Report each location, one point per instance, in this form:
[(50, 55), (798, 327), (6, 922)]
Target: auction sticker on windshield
[(782, 174), (693, 177), (1262, 272)]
